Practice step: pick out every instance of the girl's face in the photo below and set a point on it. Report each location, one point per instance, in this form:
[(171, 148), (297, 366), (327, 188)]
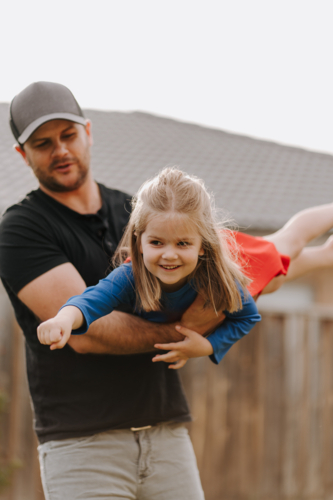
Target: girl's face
[(170, 247)]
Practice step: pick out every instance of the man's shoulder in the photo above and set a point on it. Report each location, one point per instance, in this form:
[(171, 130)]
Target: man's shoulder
[(117, 207), (113, 195), (30, 204)]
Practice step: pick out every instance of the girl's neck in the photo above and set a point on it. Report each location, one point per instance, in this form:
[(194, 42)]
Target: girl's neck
[(174, 287)]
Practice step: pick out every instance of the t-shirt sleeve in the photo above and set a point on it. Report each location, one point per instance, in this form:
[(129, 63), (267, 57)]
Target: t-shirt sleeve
[(27, 248), (116, 290), (233, 328)]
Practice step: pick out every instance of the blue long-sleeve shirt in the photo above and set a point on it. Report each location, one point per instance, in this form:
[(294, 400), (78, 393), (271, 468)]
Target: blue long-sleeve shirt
[(118, 290)]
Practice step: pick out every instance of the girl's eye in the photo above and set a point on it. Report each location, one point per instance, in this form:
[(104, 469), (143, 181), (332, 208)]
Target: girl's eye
[(183, 243), (155, 243)]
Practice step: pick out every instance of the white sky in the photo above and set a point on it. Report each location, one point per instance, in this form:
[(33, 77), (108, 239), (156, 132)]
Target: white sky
[(257, 67)]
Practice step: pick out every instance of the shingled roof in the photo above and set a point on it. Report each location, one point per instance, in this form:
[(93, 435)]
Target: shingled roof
[(261, 184)]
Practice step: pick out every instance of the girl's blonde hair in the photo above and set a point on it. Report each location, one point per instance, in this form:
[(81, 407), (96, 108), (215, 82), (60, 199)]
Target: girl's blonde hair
[(217, 272)]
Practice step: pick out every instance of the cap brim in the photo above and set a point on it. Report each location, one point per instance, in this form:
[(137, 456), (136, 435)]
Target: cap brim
[(43, 119)]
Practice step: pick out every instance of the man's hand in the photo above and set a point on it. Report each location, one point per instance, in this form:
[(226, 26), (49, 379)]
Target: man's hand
[(202, 320), (193, 346)]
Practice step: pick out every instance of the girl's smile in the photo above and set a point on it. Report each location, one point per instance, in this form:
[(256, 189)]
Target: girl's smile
[(171, 246)]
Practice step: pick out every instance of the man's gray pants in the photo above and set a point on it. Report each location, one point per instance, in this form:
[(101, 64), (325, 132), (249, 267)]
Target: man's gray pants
[(150, 464)]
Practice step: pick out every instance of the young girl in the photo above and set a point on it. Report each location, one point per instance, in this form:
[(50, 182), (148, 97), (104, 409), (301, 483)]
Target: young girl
[(177, 251), (273, 260), (175, 211)]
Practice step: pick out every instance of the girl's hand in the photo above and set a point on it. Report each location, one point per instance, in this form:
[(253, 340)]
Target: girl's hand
[(55, 332), (193, 346)]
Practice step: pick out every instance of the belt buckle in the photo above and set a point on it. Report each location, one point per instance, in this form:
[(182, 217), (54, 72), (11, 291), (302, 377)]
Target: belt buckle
[(144, 428)]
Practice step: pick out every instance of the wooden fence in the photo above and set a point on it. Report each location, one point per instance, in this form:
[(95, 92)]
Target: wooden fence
[(263, 419), (18, 443), (263, 425)]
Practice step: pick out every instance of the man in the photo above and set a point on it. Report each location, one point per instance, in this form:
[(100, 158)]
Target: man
[(109, 421)]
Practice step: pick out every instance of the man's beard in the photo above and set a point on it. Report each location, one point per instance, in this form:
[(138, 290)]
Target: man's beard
[(52, 184)]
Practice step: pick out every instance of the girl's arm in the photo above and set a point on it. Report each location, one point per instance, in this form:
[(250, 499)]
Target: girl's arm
[(57, 331), (235, 326), (116, 290), (82, 310), (216, 345)]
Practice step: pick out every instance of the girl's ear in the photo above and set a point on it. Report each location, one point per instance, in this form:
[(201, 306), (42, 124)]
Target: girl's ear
[(201, 251)]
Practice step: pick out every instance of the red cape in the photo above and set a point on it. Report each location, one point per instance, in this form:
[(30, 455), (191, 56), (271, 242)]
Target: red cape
[(260, 261)]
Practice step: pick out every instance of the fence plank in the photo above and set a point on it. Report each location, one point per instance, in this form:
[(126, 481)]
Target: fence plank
[(21, 442), (327, 460), (293, 392), (271, 474), (313, 437)]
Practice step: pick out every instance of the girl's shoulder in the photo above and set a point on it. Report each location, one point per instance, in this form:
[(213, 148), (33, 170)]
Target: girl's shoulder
[(122, 273), (120, 284)]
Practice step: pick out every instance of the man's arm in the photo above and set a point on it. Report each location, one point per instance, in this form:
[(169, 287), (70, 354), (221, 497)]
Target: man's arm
[(117, 333)]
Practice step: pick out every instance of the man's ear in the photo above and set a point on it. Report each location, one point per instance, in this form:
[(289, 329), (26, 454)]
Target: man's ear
[(88, 132), (21, 151)]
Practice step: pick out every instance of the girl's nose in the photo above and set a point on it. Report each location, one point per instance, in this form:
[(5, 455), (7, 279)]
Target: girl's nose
[(170, 253)]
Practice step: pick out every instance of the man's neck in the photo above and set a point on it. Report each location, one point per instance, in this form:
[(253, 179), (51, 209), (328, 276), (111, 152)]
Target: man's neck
[(84, 200)]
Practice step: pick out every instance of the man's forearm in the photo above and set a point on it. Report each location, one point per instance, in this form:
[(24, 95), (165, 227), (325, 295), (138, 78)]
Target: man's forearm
[(121, 333)]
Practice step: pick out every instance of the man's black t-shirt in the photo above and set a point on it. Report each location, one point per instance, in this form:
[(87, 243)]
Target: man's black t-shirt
[(80, 394)]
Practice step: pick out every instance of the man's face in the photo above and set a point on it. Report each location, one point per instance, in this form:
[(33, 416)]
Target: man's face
[(59, 154)]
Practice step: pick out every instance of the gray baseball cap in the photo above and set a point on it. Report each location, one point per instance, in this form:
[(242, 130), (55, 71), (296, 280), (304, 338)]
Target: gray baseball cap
[(41, 102)]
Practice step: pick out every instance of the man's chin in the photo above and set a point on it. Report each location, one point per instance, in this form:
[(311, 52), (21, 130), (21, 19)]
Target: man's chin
[(65, 186)]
